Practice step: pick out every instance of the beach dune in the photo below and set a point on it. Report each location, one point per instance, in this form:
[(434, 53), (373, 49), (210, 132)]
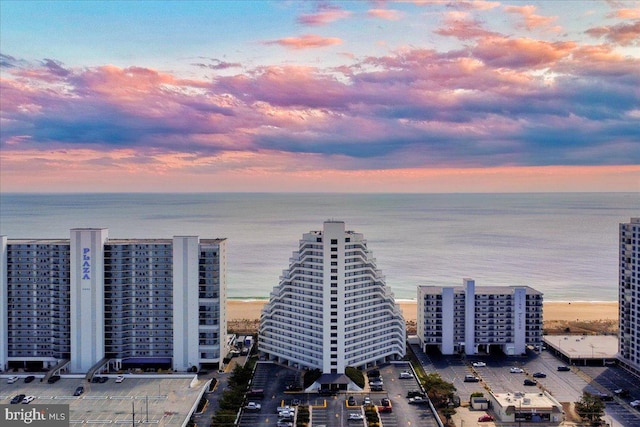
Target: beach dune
[(552, 310)]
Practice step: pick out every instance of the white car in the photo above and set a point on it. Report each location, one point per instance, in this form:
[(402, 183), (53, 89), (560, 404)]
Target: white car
[(516, 370), (405, 375), (635, 403), (28, 399), (356, 416), (253, 406), (479, 364), (12, 380), (119, 378)]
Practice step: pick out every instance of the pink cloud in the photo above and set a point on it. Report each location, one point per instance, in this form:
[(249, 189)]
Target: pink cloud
[(531, 20), (460, 25), (307, 41), (627, 13), (624, 34), (323, 17), (387, 14), (475, 5), (518, 53)]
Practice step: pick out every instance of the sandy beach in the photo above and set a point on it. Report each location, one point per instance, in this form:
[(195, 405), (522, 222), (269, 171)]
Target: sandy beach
[(553, 310)]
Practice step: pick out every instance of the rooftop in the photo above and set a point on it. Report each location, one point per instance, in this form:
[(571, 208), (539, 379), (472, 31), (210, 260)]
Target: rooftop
[(584, 346), (526, 401)]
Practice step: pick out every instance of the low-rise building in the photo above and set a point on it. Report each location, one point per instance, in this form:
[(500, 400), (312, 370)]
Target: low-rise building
[(523, 407)]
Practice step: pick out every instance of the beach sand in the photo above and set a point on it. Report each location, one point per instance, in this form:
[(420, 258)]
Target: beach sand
[(583, 311)]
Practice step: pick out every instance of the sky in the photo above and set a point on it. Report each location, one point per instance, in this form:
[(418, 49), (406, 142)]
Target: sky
[(319, 96)]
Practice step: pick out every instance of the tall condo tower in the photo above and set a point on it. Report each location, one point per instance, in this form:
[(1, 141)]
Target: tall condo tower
[(471, 320), (332, 308), (91, 300), (629, 295)]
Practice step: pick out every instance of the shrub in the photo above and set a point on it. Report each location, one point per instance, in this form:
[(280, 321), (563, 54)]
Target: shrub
[(355, 375), (311, 376)]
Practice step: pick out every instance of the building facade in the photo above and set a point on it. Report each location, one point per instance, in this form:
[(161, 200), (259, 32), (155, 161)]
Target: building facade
[(133, 302), (629, 295), (470, 320), (332, 308)]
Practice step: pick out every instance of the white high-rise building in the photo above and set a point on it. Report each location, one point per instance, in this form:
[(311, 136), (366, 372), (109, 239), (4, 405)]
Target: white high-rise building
[(128, 302), (629, 295), (332, 308), (470, 320)]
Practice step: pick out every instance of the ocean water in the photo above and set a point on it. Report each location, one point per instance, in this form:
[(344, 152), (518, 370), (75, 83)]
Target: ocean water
[(563, 244)]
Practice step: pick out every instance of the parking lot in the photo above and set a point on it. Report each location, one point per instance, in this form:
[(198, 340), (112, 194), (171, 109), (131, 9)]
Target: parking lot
[(565, 386), (156, 401), (334, 411)]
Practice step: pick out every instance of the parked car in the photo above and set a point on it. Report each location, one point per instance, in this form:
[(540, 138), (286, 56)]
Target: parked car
[(351, 401), (79, 391), (253, 406), (417, 400), (385, 409), (29, 378), (28, 399), (471, 378), (378, 382), (539, 375), (515, 370), (564, 368), (621, 392), (414, 393), (605, 397), (354, 416), (385, 401), (18, 398), (286, 415), (479, 364), (103, 380), (485, 418), (12, 380), (527, 381), (366, 401), (635, 403), (119, 379), (405, 375), (53, 379)]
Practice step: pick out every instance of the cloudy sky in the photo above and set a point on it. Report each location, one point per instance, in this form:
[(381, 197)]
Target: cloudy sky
[(380, 96)]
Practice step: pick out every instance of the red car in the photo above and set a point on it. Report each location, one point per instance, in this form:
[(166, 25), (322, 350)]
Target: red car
[(485, 417)]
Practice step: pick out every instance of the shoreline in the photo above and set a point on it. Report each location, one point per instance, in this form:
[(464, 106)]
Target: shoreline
[(250, 309)]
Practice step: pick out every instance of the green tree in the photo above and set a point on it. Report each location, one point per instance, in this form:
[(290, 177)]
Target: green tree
[(438, 390), (448, 412), (355, 375), (590, 407)]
